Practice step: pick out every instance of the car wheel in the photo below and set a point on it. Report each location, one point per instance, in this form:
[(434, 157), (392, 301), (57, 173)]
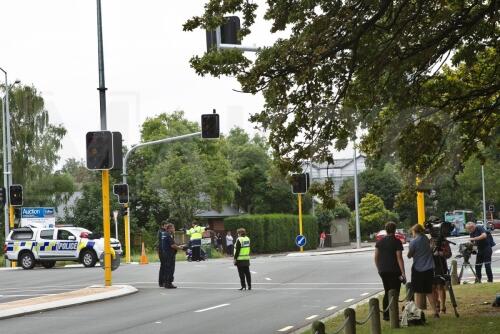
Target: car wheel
[(48, 264), (88, 258), (27, 260)]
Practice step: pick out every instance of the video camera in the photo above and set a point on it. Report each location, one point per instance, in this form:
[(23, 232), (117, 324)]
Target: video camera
[(467, 249), (438, 228)]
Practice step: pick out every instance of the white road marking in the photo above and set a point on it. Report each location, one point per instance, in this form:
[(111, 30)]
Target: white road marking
[(211, 308), (497, 251), (364, 294), (33, 295), (284, 329), (158, 322), (331, 308), (253, 272), (348, 300), (268, 279), (312, 317), (268, 289), (263, 283)]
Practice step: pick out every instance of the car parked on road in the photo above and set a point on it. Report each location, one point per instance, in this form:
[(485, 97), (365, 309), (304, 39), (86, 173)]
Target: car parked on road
[(34, 245), (399, 235)]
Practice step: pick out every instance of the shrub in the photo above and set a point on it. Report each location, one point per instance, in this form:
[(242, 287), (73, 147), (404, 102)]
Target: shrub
[(275, 232)]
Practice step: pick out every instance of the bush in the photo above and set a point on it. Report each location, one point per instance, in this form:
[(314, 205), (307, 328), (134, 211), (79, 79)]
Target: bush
[(275, 232)]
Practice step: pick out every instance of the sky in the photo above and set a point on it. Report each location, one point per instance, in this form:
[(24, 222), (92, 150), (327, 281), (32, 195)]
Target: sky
[(52, 44)]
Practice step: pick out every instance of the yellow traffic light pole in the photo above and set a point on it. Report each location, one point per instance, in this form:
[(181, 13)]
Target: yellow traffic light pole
[(107, 233), (127, 235), (11, 224), (420, 205), (300, 218)]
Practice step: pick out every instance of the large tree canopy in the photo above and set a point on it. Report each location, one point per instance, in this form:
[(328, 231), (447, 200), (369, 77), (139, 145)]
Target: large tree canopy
[(404, 70)]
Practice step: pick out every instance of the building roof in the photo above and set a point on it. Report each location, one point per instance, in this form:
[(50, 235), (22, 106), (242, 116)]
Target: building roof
[(227, 211), (337, 163)]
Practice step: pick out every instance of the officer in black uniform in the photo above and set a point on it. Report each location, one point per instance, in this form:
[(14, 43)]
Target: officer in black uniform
[(169, 249), (163, 266)]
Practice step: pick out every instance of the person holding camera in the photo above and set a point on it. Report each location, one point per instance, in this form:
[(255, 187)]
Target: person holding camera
[(422, 271), (441, 252), (479, 236), (389, 263)]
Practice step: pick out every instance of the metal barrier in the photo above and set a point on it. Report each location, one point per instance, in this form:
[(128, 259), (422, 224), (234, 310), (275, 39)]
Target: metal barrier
[(350, 322)]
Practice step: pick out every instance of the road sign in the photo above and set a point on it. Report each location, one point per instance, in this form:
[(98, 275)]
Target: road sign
[(300, 240)]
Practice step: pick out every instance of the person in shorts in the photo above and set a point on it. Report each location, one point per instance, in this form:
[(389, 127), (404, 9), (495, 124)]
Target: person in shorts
[(422, 270)]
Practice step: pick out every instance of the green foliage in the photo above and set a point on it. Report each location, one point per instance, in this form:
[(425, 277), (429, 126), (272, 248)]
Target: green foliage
[(275, 232), (373, 214), (375, 64), (326, 216), (382, 182)]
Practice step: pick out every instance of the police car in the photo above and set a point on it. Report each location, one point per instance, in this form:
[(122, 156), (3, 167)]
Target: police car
[(35, 245)]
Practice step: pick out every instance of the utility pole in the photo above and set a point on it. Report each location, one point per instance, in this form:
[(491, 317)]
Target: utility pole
[(4, 145), (485, 224), (356, 198), (105, 173)]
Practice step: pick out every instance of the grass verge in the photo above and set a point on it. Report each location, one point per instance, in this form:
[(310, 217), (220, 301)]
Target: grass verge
[(474, 306)]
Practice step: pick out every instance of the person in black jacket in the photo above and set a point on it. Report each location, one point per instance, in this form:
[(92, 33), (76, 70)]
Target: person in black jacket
[(161, 274), (169, 250)]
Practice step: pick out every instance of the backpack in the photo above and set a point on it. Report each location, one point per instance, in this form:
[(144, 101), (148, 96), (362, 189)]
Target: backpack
[(490, 240), (412, 315)]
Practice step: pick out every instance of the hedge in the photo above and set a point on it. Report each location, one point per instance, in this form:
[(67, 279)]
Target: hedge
[(275, 232)]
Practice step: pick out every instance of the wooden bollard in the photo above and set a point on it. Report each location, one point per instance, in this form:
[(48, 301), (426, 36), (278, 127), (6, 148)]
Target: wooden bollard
[(375, 319), (453, 271), (318, 327), (350, 327), (394, 308)]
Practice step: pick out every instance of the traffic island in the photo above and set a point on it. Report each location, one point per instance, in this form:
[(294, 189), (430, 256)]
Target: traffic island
[(77, 297)]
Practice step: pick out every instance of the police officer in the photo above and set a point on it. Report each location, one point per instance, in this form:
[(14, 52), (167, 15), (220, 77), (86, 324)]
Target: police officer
[(169, 249), (242, 258), (195, 233), (162, 273)]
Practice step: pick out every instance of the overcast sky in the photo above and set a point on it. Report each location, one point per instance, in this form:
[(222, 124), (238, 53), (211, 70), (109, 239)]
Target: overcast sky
[(52, 44)]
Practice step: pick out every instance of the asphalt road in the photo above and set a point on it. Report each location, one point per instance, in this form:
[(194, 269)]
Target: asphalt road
[(288, 293)]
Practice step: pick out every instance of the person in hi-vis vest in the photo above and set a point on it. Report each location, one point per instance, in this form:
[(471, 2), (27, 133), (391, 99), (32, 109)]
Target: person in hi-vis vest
[(195, 233), (242, 258)]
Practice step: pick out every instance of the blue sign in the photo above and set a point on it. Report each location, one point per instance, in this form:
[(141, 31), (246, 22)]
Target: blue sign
[(300, 240), (37, 213)]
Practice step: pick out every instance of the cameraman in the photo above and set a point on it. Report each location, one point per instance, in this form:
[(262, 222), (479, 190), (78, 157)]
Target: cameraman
[(441, 252), (389, 262), (479, 237)]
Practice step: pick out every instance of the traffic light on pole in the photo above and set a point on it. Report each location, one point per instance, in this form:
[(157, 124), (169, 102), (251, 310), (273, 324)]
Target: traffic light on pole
[(228, 33), (16, 195), (99, 150), (210, 126), (300, 183), (3, 196), (121, 190)]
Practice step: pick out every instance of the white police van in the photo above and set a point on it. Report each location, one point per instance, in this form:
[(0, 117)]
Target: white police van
[(31, 245)]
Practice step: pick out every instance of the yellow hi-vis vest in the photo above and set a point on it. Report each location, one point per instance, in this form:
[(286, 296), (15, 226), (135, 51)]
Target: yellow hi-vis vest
[(245, 248), (195, 232)]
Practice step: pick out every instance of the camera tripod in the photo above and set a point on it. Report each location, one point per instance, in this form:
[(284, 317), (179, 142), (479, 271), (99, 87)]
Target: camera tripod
[(465, 264)]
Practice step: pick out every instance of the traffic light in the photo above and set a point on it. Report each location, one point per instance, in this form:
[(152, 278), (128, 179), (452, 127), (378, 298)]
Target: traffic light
[(16, 195), (300, 183), (228, 33), (210, 126), (99, 150), (121, 190), (3, 196)]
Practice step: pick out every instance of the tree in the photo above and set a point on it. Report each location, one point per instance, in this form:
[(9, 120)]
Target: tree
[(35, 147), (373, 214), (375, 64), (381, 182)]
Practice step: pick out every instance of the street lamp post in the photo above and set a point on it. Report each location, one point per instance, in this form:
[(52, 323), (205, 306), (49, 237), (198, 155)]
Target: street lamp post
[(4, 145)]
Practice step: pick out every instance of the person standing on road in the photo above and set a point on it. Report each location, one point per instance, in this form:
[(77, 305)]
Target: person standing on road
[(169, 250), (242, 258), (422, 271), (195, 233), (229, 243), (389, 263), (162, 273), (479, 236), (322, 238)]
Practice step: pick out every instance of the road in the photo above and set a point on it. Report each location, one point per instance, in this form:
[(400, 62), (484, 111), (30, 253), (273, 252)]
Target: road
[(288, 293)]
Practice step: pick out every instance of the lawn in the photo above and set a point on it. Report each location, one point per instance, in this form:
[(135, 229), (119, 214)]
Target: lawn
[(474, 306)]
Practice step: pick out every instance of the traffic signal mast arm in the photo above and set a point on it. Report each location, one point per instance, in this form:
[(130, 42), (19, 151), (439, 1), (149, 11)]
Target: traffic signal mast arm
[(160, 141)]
